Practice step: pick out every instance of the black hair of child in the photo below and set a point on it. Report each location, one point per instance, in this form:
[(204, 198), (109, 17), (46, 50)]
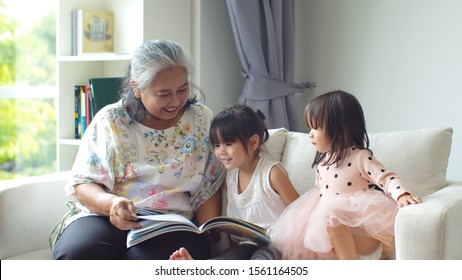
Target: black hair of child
[(341, 116), (238, 123)]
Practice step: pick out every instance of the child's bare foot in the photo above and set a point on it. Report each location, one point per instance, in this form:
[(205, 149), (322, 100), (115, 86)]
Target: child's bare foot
[(181, 254)]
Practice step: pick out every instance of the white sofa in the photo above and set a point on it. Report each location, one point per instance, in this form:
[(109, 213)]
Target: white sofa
[(30, 207)]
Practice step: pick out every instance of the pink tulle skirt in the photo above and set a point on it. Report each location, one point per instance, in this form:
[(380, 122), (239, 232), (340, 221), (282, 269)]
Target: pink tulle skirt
[(301, 231)]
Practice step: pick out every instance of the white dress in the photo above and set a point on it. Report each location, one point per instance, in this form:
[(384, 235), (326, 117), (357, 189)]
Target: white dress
[(360, 193), (258, 203)]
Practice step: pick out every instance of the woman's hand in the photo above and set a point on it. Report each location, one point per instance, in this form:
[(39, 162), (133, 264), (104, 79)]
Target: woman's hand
[(122, 214), (121, 211)]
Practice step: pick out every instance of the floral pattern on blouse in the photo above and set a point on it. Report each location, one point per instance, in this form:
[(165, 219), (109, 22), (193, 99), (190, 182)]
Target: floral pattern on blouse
[(172, 169)]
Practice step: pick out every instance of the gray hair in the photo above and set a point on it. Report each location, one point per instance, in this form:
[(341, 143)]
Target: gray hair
[(150, 59)]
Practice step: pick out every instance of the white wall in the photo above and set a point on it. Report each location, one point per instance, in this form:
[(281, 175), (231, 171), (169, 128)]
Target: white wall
[(402, 59), (219, 74)]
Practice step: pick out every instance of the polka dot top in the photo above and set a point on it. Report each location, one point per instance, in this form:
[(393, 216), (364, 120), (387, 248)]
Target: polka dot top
[(360, 171)]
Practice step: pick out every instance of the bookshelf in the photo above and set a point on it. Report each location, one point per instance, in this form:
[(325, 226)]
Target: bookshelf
[(135, 21)]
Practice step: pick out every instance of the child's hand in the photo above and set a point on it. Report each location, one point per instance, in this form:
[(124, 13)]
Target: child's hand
[(407, 199)]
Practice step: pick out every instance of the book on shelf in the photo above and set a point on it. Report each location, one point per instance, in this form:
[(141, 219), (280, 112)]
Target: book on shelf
[(161, 223), (83, 111), (103, 91), (74, 32), (88, 115), (77, 111), (90, 98), (80, 112), (92, 31)]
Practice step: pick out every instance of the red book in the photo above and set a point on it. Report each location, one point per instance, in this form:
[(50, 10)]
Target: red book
[(87, 105)]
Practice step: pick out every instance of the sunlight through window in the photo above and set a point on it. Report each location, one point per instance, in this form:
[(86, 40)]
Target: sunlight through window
[(27, 88)]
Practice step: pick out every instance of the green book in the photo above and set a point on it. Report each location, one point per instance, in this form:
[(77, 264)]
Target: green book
[(104, 91)]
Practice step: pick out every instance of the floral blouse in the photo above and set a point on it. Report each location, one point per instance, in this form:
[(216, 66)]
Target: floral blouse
[(172, 170)]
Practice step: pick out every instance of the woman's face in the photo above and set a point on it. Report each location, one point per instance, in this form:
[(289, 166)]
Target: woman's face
[(165, 98)]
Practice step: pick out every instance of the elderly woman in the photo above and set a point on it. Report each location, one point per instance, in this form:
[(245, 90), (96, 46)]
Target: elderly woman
[(150, 150)]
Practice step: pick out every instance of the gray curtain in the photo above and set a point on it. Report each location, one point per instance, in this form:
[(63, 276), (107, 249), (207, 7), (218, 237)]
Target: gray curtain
[(264, 32)]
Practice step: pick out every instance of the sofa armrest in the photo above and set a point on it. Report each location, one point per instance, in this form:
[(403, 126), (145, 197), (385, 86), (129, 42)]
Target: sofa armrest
[(29, 209), (431, 230)]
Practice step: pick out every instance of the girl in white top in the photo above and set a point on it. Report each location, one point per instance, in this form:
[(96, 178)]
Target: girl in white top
[(258, 190)]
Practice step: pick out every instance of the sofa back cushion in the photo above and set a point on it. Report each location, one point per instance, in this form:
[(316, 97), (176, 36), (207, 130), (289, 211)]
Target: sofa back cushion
[(419, 157), (295, 152), (297, 157), (273, 148)]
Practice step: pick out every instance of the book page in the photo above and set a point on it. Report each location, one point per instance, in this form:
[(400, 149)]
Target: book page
[(170, 217), (239, 228), (153, 225), (236, 221), (157, 224)]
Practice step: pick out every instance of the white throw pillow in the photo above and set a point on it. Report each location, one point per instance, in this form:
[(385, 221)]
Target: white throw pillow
[(419, 157), (298, 157), (273, 148)]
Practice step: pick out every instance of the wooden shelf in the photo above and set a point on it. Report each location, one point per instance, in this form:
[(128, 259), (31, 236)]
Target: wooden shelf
[(95, 57), (135, 21)]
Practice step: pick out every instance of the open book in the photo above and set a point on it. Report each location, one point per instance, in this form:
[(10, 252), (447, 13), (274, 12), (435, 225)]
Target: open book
[(157, 224)]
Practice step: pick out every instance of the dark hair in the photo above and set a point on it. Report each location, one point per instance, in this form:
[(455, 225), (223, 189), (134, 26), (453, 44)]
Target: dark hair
[(238, 123), (150, 59), (341, 117)]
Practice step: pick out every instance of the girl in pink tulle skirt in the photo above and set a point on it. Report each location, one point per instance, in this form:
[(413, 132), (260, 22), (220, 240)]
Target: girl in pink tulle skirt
[(350, 212)]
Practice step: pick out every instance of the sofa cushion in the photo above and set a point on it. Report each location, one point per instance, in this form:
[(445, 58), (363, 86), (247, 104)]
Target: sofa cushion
[(419, 157), (273, 148), (298, 157), (29, 209), (43, 254)]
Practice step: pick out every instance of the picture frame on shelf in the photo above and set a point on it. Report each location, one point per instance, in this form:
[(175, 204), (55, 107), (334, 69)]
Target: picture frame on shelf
[(92, 32)]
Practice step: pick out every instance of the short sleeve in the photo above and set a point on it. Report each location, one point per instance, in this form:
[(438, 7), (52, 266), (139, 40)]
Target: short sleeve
[(94, 159), (213, 179), (214, 172)]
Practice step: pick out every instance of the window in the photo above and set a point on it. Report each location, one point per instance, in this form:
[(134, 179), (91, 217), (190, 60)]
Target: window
[(27, 88)]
